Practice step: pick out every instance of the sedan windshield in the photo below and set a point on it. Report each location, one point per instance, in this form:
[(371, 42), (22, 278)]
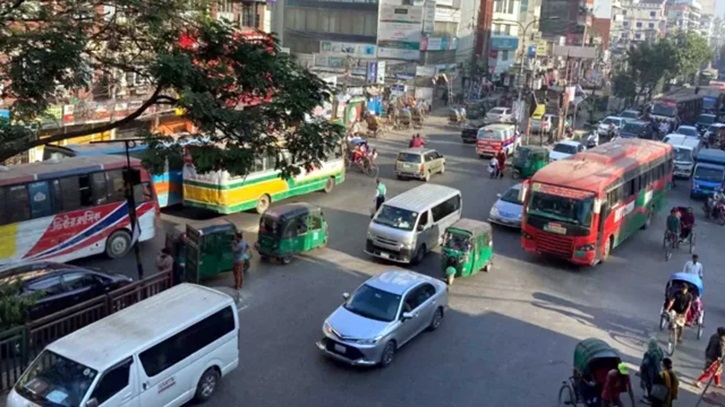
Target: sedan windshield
[(409, 158), (687, 131), (511, 196), (565, 148), (396, 218), (560, 208), (708, 174), (55, 381), (373, 303)]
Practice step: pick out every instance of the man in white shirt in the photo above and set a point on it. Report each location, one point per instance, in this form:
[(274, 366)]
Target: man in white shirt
[(693, 266)]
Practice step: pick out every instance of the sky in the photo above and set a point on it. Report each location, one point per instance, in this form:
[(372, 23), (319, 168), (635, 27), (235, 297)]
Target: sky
[(603, 8)]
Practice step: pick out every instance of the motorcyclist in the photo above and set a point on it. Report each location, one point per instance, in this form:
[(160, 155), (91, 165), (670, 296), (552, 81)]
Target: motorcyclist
[(593, 139), (716, 202)]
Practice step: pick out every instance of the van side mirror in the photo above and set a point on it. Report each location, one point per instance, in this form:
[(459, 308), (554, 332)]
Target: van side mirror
[(420, 228), (345, 296), (92, 403)]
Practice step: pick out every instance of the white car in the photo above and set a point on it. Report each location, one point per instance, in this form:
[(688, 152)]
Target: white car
[(544, 125), (564, 149), (688, 131), (499, 115), (618, 122)]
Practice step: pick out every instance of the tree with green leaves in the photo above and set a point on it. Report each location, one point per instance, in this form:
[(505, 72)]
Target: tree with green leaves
[(190, 61), (14, 308), (689, 52)]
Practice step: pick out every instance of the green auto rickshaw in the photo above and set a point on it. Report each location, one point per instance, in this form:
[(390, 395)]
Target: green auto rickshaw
[(528, 160), (467, 248), (290, 229), (209, 250)]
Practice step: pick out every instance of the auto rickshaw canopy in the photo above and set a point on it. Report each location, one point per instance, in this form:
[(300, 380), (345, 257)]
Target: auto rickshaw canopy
[(474, 227), (287, 212)]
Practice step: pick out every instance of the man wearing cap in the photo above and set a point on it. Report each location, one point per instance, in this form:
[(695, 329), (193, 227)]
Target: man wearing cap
[(617, 382)]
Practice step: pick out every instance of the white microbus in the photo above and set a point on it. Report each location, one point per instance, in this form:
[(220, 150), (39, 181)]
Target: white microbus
[(163, 351)]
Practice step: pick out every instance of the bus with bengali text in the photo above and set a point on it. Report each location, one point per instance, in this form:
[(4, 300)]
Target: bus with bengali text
[(62, 210), (166, 184), (223, 193), (582, 207)]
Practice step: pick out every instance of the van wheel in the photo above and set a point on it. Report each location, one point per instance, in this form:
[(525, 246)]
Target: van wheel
[(207, 385), (263, 203), (419, 255), (118, 244), (329, 185)]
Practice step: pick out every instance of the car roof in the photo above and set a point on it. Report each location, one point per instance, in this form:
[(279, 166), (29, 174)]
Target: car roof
[(27, 271), (498, 126), (630, 111), (397, 281), (417, 151), (422, 197), (568, 143), (108, 341)]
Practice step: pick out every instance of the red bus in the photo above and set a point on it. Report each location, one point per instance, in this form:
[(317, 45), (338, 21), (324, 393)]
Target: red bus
[(582, 207), (62, 210)]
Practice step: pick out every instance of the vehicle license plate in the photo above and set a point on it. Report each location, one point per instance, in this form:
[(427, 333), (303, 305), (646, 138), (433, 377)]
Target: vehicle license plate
[(340, 348), (384, 255)]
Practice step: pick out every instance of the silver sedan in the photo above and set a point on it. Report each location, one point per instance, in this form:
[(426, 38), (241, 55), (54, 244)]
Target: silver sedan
[(382, 315)]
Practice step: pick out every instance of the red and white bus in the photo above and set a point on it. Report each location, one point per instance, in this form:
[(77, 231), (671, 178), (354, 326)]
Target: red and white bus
[(582, 207), (60, 210)]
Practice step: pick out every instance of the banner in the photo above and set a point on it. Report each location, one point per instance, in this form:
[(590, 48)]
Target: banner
[(429, 16), (399, 31)]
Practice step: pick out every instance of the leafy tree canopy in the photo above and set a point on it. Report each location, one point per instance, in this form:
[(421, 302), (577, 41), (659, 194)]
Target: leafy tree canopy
[(689, 52), (210, 75)]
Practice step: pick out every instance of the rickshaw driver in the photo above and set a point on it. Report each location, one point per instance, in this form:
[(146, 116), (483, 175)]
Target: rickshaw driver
[(680, 305), (673, 226), (687, 222)]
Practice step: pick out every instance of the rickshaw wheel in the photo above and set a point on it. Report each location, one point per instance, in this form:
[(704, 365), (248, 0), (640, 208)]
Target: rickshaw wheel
[(692, 241), (450, 278), (663, 321), (699, 331), (566, 395)]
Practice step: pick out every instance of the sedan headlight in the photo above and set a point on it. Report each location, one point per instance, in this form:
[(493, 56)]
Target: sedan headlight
[(371, 341), (494, 212), (326, 328)]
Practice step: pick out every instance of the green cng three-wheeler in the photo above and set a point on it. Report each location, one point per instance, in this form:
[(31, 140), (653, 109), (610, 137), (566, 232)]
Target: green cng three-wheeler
[(467, 248), (528, 160), (209, 250), (290, 229)]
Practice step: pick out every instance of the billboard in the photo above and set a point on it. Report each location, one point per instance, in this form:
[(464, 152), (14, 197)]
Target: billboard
[(399, 31)]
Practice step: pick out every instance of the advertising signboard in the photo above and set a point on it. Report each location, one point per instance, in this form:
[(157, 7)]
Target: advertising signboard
[(399, 31)]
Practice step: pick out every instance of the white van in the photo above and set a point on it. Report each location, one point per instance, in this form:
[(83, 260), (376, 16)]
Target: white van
[(411, 224), (686, 150), (163, 351)]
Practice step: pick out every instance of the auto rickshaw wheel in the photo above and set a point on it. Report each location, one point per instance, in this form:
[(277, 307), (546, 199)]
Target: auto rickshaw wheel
[(329, 185), (263, 203), (286, 259), (450, 278), (488, 267)]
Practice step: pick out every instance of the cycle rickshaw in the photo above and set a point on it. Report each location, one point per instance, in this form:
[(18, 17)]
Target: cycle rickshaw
[(696, 316), (593, 359), (687, 236), (366, 159)]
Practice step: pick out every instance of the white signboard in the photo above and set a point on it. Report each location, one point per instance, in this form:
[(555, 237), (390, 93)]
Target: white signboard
[(425, 71), (380, 77), (348, 48), (447, 15), (399, 31), (424, 94), (429, 16)]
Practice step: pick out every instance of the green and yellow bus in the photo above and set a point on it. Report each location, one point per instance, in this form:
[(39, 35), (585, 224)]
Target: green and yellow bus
[(223, 193)]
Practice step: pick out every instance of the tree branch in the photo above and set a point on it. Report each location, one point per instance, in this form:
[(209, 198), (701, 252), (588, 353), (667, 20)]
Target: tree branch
[(12, 151)]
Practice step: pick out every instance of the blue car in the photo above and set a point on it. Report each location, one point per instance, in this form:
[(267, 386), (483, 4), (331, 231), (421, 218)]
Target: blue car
[(508, 209)]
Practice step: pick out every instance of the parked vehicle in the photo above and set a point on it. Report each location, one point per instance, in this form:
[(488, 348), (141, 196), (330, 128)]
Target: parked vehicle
[(528, 160), (704, 121), (603, 128), (691, 131), (508, 209), (419, 163), (291, 229), (638, 129), (409, 225), (709, 173), (467, 249), (163, 351), (686, 150), (381, 316), (469, 133), (499, 115), (495, 138), (59, 286), (564, 149), (630, 115), (544, 125)]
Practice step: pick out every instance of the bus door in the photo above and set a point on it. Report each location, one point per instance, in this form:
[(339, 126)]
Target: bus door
[(601, 227)]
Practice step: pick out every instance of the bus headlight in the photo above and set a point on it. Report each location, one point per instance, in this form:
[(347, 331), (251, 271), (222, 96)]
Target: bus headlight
[(585, 248)]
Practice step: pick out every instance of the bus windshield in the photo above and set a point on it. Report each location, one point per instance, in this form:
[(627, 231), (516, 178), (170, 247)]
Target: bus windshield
[(560, 208), (661, 109), (709, 174)]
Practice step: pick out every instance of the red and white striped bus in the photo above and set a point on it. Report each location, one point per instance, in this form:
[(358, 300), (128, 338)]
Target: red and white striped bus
[(61, 210)]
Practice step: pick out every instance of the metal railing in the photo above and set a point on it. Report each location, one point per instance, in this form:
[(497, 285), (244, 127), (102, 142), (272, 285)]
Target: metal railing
[(20, 345)]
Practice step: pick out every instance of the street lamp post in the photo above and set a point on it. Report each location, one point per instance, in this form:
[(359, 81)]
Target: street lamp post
[(524, 29)]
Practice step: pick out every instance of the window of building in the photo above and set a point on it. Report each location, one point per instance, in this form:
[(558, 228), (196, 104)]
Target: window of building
[(509, 29), (225, 6), (651, 25), (625, 23), (510, 6), (639, 24), (653, 14), (250, 18), (498, 6), (638, 36)]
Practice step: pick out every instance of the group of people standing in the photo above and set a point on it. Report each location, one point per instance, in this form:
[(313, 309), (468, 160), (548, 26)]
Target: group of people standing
[(497, 165)]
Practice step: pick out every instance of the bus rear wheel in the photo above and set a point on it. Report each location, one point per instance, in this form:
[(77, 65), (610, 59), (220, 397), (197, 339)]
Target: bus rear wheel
[(118, 244), (263, 203)]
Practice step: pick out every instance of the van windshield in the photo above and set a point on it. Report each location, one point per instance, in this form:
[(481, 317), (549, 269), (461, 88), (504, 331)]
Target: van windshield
[(708, 174), (55, 381), (397, 218), (683, 154)]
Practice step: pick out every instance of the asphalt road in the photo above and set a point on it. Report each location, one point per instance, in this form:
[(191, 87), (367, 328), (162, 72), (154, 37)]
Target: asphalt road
[(508, 339)]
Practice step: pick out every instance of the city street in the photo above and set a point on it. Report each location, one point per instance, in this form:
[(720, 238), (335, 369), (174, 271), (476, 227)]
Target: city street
[(509, 335)]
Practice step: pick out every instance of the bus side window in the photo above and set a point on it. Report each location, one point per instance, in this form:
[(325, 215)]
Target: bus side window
[(99, 188), (71, 197), (18, 204), (115, 186)]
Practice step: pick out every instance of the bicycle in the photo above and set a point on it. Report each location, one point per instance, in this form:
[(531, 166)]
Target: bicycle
[(669, 243), (673, 330)]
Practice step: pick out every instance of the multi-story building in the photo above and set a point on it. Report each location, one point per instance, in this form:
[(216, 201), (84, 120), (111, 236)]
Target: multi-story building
[(640, 21), (248, 14), (707, 27), (505, 32), (684, 15), (567, 18)]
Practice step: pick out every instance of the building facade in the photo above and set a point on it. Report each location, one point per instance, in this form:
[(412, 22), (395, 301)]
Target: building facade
[(505, 32), (684, 15), (634, 22), (570, 19), (247, 14)]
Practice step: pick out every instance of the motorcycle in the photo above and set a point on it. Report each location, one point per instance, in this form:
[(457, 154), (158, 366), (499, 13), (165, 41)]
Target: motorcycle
[(714, 210), (592, 139)]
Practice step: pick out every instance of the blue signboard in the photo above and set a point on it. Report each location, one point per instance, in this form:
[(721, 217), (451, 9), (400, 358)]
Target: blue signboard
[(504, 42)]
